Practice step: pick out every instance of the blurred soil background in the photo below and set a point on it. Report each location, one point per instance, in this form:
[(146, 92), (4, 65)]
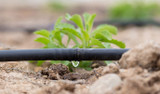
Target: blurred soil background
[(18, 19)]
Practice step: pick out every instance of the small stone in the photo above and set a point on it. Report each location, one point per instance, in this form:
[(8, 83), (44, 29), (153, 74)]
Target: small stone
[(37, 69), (105, 84)]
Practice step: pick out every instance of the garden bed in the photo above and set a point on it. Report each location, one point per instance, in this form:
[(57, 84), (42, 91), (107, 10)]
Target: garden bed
[(136, 72)]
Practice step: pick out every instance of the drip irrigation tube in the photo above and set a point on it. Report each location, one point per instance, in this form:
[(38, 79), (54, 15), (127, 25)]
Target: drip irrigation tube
[(61, 54), (112, 22), (131, 22)]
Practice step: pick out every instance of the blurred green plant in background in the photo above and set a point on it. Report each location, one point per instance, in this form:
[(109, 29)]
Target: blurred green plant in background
[(57, 6), (136, 10)]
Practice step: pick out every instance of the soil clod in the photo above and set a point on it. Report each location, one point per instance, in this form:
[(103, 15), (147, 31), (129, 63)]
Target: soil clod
[(96, 64), (77, 76), (146, 56), (55, 71)]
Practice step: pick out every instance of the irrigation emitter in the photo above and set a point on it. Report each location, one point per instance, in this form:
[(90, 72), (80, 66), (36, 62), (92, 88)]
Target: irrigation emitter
[(61, 54)]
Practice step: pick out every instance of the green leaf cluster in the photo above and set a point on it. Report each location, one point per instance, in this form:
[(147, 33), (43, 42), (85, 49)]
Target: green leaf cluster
[(82, 35)]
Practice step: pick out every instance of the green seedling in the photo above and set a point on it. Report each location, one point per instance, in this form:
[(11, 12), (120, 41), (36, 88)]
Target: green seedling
[(82, 35)]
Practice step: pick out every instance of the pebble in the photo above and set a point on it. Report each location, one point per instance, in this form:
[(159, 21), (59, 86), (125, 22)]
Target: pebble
[(105, 84)]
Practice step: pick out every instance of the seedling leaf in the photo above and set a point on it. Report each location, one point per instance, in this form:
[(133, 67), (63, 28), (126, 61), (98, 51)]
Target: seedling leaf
[(104, 27), (76, 19), (103, 34), (89, 21), (42, 40), (44, 33), (96, 43), (118, 43)]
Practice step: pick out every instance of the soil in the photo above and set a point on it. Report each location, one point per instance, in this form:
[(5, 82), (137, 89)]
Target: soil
[(135, 72)]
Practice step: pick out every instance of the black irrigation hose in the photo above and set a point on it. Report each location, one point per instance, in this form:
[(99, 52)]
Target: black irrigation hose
[(126, 23), (112, 22), (61, 54)]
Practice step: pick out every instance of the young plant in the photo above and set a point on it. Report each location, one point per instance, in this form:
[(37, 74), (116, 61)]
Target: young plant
[(82, 35)]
